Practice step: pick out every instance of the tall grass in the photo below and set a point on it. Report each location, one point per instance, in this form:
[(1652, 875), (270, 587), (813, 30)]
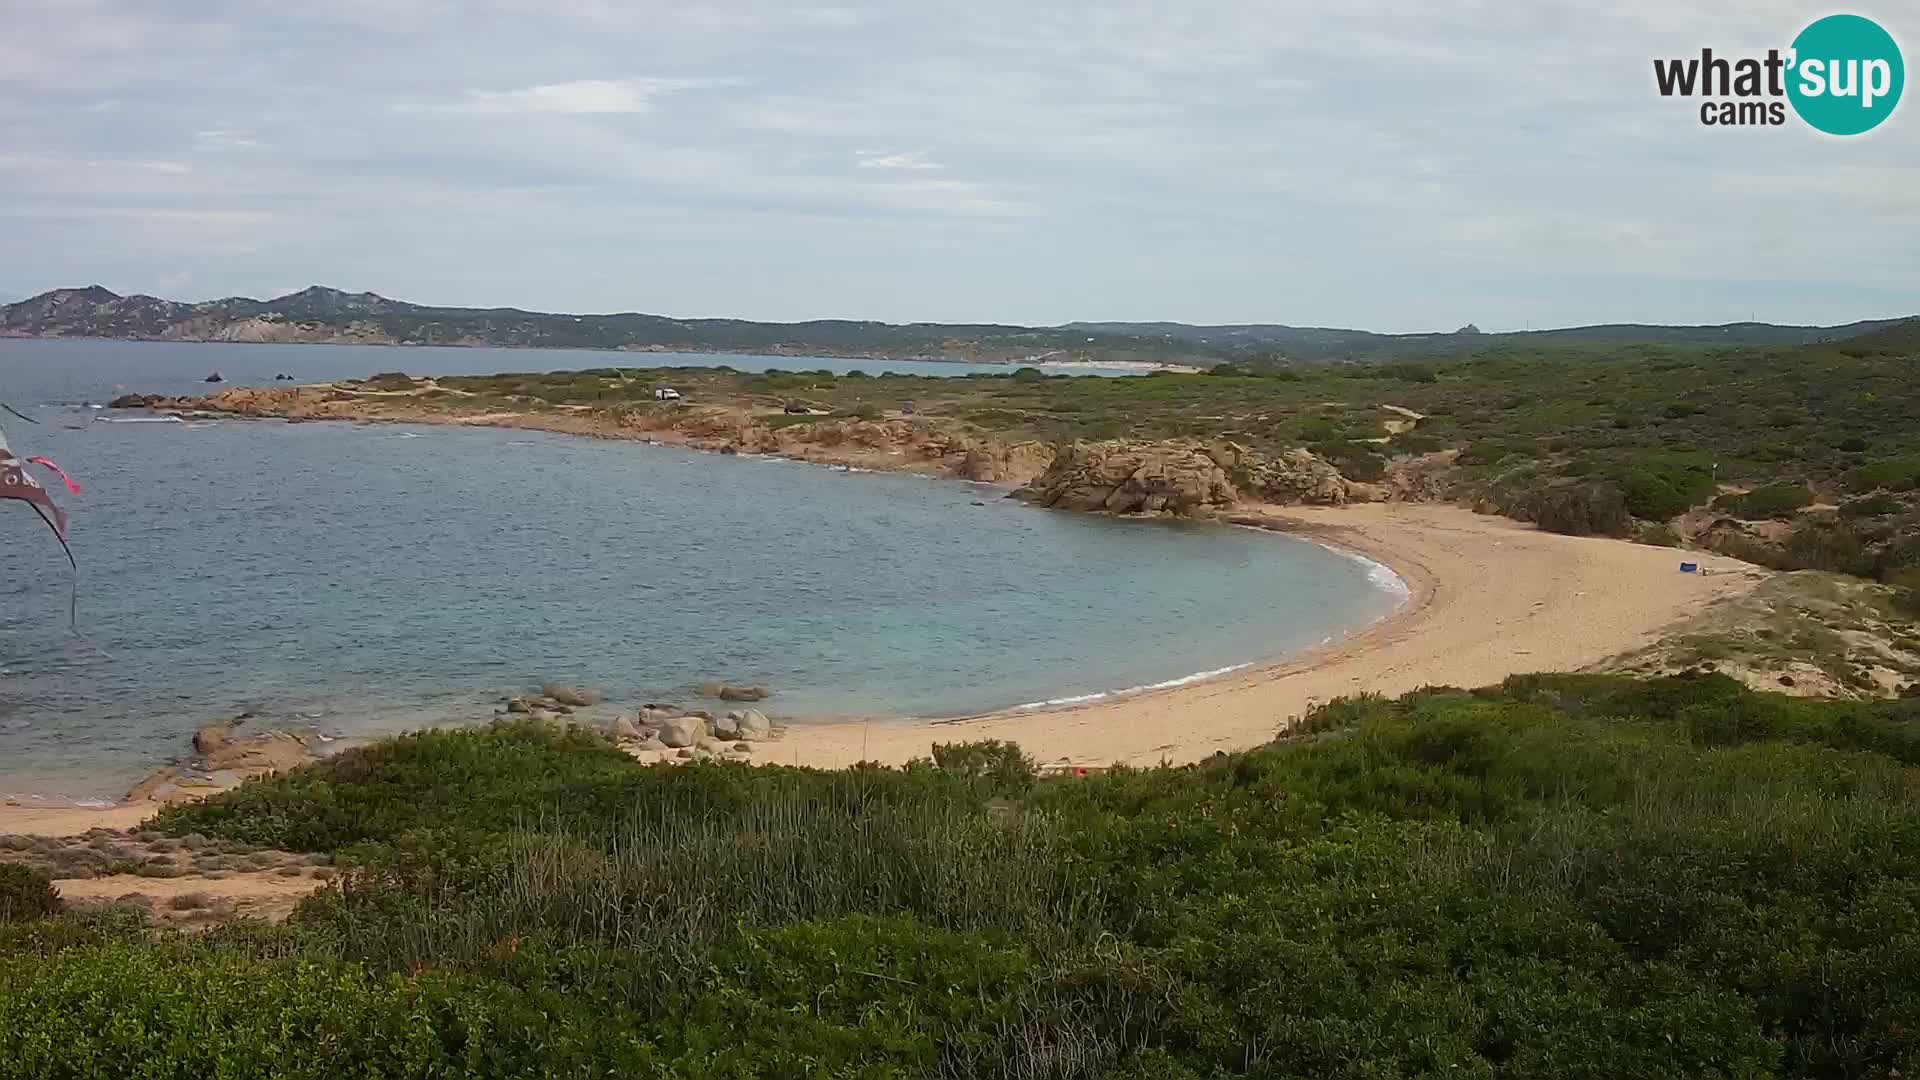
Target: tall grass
[(673, 877)]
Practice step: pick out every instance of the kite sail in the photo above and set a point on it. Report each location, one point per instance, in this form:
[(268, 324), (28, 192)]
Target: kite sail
[(16, 483)]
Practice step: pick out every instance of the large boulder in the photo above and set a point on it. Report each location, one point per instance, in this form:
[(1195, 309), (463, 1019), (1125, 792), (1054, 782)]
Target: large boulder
[(751, 725), (682, 731), (625, 729), (744, 693), (1132, 477), (572, 695)]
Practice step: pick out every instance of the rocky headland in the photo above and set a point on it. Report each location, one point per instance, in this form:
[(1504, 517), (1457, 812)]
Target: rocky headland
[(1185, 478)]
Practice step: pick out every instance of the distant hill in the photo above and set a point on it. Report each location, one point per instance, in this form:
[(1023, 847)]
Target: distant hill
[(321, 314), (1899, 338), (1324, 343)]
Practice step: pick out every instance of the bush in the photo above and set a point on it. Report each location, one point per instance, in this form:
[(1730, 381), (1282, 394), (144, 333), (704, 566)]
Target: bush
[(1902, 474), (1659, 492), (1657, 534), (1000, 766), (1585, 509), (1771, 501), (26, 893), (1872, 506), (1563, 875)]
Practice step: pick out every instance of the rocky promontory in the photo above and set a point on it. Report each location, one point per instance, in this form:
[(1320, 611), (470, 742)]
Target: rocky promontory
[(1186, 479), (1183, 478)]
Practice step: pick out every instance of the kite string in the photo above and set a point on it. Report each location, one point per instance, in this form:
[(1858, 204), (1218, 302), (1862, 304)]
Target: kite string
[(73, 597)]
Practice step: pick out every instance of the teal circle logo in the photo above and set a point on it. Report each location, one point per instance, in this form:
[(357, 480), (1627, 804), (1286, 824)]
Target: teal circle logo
[(1846, 75)]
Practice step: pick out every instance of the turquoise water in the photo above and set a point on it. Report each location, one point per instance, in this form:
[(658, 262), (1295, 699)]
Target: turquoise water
[(368, 578)]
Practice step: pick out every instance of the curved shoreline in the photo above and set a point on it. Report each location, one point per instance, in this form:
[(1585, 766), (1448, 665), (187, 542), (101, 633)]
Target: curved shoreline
[(1547, 602), (1489, 598)]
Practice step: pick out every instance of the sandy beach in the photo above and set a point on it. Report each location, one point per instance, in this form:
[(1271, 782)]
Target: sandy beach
[(1490, 597)]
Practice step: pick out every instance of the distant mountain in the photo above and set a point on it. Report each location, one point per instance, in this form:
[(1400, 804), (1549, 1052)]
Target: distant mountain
[(321, 314), (1323, 343)]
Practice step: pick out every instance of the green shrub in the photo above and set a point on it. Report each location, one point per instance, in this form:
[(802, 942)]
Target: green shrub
[(1657, 534), (1871, 506), (999, 765), (1771, 501), (26, 893), (1659, 492), (1576, 509), (1564, 875), (1901, 474)]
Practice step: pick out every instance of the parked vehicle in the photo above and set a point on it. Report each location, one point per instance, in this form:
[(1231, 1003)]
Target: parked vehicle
[(665, 393)]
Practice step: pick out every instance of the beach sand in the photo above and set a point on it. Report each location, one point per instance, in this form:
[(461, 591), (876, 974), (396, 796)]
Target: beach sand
[(1490, 597)]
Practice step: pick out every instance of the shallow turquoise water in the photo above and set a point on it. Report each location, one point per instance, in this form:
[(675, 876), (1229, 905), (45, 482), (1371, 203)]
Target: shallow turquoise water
[(372, 577)]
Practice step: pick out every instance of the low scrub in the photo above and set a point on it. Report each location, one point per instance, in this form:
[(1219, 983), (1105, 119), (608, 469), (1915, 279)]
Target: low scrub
[(1589, 876)]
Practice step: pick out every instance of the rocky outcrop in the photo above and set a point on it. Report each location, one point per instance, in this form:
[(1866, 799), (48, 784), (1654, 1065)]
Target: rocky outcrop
[(572, 696), (1186, 478), (991, 463), (1128, 477), (1299, 477), (223, 758)]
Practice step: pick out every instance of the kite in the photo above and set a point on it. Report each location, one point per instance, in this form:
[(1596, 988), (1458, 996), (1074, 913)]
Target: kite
[(16, 483)]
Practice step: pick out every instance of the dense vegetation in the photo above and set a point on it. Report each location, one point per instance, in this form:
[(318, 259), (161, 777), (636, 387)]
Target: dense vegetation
[(1561, 876), (1824, 440)]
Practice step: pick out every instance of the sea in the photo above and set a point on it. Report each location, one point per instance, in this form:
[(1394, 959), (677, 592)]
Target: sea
[(370, 578)]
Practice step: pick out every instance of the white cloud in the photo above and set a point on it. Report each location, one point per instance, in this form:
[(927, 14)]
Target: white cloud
[(878, 159), (583, 97), (223, 138)]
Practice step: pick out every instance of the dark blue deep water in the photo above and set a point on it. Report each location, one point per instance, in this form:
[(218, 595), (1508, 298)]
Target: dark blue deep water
[(368, 578)]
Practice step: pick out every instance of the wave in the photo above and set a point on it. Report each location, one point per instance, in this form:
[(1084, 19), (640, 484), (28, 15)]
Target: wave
[(1101, 695), (1379, 574), (138, 420)]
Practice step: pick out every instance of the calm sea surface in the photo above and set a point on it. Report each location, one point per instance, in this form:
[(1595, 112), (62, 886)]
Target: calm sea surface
[(367, 578)]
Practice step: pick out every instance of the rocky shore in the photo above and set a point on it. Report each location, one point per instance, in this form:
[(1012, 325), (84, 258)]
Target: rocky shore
[(656, 733)]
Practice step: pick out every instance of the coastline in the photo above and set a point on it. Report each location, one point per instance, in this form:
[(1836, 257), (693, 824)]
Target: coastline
[(1487, 597), (1012, 363)]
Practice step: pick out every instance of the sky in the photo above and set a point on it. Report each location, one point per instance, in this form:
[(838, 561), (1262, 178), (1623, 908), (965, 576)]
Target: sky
[(1393, 165)]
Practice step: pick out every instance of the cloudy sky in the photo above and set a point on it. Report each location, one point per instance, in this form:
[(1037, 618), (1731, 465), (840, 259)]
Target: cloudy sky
[(1387, 164)]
